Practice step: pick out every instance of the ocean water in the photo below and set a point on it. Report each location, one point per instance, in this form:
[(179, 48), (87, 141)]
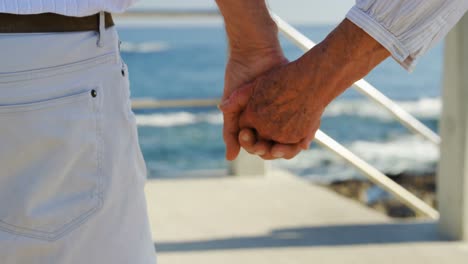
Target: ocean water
[(188, 62)]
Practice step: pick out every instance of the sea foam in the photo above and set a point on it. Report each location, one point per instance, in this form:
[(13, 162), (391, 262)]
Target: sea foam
[(426, 108), (144, 47), (179, 119), (403, 154)]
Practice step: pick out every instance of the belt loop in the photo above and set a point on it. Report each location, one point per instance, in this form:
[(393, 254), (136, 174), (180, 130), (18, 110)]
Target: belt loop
[(102, 28)]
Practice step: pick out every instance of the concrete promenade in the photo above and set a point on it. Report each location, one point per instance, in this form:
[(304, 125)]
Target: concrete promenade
[(282, 219)]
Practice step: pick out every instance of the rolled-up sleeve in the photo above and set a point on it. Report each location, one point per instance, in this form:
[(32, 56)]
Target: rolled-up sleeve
[(407, 28)]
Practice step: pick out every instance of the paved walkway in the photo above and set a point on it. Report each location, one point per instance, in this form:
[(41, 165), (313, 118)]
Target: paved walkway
[(282, 219)]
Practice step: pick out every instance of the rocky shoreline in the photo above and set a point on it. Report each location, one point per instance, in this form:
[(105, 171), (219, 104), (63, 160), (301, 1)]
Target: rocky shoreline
[(364, 191)]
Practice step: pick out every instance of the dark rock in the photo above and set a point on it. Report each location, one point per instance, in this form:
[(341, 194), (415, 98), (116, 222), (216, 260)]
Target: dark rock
[(422, 185)]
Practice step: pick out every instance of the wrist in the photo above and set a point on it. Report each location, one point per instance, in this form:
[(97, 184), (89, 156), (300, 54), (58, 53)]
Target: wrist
[(345, 56), (253, 38), (249, 25), (271, 54)]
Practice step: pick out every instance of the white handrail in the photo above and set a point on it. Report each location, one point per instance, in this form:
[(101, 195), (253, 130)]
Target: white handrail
[(363, 86), (376, 176)]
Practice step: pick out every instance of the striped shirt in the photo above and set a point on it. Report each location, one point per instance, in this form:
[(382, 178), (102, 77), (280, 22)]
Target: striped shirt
[(64, 7), (407, 28)]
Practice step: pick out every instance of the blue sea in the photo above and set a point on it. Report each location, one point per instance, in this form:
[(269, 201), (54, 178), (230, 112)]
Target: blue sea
[(187, 62)]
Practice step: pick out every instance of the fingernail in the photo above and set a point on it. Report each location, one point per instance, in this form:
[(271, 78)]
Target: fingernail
[(245, 137), (278, 154), (260, 152)]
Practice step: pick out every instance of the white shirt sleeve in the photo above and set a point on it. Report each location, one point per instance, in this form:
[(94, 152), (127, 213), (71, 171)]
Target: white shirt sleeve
[(407, 28)]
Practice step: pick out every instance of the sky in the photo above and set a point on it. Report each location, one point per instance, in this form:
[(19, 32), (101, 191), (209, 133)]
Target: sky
[(294, 11)]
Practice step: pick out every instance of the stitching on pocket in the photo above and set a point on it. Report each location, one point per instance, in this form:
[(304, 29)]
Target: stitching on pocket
[(97, 193), (51, 236), (25, 107), (28, 75)]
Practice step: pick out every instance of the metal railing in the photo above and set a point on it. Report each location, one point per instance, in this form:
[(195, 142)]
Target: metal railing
[(364, 87), (324, 140)]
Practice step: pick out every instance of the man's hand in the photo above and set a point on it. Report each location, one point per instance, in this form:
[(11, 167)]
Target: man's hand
[(241, 69), (285, 104)]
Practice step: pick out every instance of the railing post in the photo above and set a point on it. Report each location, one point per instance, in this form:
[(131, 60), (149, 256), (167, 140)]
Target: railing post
[(452, 182), (247, 165)]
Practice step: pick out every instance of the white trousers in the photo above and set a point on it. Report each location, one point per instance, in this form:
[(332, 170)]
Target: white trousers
[(71, 170)]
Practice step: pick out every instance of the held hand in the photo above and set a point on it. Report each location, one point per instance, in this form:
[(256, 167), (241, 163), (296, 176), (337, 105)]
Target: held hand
[(254, 49), (280, 106), (243, 67)]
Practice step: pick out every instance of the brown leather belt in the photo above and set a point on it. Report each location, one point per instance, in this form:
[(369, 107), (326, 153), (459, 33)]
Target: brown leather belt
[(49, 22)]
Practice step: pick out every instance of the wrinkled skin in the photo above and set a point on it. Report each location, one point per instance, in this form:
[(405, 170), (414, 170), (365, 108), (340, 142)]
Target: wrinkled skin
[(276, 107), (280, 108)]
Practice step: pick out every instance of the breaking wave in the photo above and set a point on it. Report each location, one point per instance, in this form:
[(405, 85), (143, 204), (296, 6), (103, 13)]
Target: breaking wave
[(179, 119), (144, 47), (425, 108), (403, 154)]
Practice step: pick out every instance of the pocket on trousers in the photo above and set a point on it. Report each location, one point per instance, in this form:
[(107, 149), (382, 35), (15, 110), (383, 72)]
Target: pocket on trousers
[(50, 179)]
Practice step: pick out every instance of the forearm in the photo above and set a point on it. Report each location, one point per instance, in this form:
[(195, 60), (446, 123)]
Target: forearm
[(253, 49), (345, 56), (249, 26)]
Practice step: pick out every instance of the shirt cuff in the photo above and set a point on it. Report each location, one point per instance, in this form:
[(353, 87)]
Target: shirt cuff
[(382, 35)]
